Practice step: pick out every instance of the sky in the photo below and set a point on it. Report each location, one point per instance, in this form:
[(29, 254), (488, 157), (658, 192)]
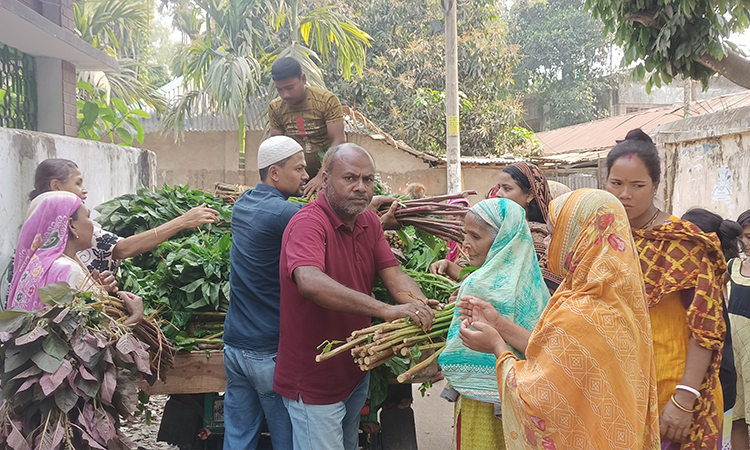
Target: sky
[(743, 40)]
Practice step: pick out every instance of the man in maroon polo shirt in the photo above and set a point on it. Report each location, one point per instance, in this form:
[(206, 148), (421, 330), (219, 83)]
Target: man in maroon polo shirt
[(330, 254)]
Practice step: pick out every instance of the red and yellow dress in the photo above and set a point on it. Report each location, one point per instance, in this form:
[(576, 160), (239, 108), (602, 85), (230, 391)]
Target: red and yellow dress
[(682, 270)]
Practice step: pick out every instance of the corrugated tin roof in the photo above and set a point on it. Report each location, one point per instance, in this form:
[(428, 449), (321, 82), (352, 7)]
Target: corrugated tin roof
[(602, 134), (256, 119), (204, 118)]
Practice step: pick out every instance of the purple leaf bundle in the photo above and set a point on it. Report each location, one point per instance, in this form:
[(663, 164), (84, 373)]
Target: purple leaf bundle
[(70, 369), (431, 214)]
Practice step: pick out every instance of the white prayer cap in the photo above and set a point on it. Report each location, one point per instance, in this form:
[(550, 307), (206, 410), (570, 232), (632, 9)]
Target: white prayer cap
[(275, 149)]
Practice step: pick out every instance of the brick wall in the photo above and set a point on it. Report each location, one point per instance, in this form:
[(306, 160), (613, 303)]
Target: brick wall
[(36, 5), (70, 121), (67, 20)]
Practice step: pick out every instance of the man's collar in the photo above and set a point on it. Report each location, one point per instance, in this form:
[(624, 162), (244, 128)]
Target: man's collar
[(262, 187)]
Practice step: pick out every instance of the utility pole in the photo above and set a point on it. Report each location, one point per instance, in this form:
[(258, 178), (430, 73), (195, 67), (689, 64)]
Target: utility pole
[(453, 140)]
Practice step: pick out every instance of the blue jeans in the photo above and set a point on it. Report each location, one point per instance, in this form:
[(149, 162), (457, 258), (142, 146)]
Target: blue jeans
[(248, 397), (330, 427)]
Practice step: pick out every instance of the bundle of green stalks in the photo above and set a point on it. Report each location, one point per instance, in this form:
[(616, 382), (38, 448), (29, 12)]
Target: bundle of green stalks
[(430, 214), (376, 345)]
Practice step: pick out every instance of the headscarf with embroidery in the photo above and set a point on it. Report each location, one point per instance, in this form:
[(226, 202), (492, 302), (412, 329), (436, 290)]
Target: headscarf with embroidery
[(557, 189), (43, 238), (539, 232), (453, 246), (589, 379), (511, 281)]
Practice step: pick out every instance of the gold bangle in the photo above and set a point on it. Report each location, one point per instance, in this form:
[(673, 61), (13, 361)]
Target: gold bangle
[(681, 407), (156, 233)]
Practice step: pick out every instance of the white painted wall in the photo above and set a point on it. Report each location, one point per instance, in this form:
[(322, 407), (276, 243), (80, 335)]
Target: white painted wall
[(707, 162), (108, 171), (713, 174)]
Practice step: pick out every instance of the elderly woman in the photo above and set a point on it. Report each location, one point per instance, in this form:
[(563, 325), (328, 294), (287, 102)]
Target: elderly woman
[(56, 230), (498, 242), (589, 378)]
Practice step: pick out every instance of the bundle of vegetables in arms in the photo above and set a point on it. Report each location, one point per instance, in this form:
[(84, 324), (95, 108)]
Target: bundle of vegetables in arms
[(430, 214), (71, 369), (184, 280), (379, 344)]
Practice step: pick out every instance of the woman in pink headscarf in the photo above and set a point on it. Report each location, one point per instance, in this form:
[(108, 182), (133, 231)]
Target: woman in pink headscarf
[(57, 227)]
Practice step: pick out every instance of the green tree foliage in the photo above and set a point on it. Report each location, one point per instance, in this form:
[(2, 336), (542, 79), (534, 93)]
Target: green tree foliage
[(233, 43), (122, 29), (402, 89), (100, 121), (668, 38), (565, 54)]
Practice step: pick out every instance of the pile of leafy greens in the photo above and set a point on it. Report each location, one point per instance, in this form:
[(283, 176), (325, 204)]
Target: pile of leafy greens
[(186, 276), (131, 214)]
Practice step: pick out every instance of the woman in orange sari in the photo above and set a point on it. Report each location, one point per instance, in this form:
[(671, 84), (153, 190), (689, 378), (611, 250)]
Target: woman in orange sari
[(683, 270), (588, 381)]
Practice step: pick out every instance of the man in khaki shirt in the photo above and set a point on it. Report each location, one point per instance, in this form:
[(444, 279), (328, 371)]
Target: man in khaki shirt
[(309, 115)]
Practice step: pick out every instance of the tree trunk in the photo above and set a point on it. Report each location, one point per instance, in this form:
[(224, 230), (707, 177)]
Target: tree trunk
[(733, 67)]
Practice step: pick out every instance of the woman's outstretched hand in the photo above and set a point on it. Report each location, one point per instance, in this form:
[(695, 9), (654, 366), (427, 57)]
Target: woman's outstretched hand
[(478, 310), (483, 338), (198, 216)]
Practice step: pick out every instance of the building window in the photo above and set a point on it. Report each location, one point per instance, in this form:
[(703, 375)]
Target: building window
[(18, 105)]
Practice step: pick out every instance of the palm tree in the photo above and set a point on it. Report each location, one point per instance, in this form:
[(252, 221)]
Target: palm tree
[(241, 39), (117, 28)]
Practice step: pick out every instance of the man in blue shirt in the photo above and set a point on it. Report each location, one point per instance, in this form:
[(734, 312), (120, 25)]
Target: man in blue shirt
[(251, 329)]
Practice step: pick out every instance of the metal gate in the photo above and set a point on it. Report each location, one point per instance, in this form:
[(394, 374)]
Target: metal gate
[(18, 104), (576, 178)]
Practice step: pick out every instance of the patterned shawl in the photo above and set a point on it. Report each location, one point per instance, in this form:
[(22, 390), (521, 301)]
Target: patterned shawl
[(557, 189), (539, 186), (540, 190), (677, 256), (453, 252), (589, 381), (43, 238), (509, 279)]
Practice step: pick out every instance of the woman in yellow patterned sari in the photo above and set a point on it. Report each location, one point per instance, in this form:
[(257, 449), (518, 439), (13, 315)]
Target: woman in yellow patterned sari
[(588, 381), (682, 270)]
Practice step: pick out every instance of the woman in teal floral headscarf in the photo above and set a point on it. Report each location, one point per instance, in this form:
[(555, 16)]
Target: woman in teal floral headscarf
[(498, 241)]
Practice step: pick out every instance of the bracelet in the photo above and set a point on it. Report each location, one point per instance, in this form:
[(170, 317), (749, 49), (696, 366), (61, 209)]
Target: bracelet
[(156, 234), (681, 407), (688, 389)]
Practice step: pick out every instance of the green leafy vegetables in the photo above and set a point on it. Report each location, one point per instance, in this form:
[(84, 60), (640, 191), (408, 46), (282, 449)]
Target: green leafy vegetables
[(185, 278)]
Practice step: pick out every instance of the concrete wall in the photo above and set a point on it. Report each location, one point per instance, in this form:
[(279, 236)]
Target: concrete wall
[(707, 162), (205, 158), (108, 170), (629, 92)]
